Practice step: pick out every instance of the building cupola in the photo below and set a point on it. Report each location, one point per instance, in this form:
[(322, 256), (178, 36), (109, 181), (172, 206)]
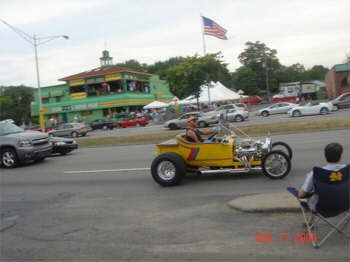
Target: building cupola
[(106, 60)]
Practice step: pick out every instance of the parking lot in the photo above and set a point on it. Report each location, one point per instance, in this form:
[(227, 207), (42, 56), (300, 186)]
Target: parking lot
[(253, 120), (101, 204)]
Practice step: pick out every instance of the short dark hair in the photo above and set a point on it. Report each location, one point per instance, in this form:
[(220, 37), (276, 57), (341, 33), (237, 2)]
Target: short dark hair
[(333, 152)]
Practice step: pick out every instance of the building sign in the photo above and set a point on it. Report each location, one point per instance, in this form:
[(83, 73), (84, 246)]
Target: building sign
[(112, 77), (95, 80), (56, 109), (78, 95), (80, 107), (77, 82)]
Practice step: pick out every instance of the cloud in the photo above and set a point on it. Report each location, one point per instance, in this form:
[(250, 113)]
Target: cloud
[(26, 12), (154, 30)]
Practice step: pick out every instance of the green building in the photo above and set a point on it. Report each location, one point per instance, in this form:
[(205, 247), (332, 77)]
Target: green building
[(104, 91)]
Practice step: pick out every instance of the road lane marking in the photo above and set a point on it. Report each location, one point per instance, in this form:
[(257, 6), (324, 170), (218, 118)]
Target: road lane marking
[(105, 170)]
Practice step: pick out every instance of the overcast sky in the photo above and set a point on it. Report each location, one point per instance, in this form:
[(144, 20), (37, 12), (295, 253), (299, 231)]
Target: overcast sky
[(304, 31)]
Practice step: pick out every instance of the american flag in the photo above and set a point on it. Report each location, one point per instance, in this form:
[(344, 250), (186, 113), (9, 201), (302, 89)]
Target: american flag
[(213, 29)]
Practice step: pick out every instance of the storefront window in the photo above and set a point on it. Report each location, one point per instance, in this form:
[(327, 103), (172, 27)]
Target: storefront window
[(137, 86), (44, 100)]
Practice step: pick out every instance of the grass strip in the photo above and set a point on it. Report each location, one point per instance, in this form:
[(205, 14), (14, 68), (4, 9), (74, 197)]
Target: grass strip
[(301, 126)]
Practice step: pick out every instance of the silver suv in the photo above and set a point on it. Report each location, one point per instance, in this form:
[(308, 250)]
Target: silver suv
[(17, 145)]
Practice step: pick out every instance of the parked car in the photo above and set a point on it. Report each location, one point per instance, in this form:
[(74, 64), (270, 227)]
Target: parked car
[(278, 108), (242, 106), (127, 121), (70, 129), (204, 120), (253, 100), (341, 101), (17, 145), (62, 145), (311, 109), (235, 115), (221, 109), (38, 128), (103, 124)]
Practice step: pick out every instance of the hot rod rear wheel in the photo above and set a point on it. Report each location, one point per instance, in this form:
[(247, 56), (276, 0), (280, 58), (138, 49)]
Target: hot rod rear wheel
[(276, 164), (168, 169), (281, 146)]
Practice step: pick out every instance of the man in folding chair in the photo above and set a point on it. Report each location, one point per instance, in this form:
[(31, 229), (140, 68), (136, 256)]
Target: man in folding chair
[(327, 191)]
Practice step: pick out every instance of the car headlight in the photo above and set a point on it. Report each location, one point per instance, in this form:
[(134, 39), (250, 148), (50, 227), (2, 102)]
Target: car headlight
[(25, 143)]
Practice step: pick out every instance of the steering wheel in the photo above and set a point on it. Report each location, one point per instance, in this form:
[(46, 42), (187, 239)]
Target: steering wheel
[(212, 136)]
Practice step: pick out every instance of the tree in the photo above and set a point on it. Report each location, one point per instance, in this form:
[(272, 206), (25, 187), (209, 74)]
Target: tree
[(246, 79), (133, 64), (161, 67), (347, 58), (7, 106), (187, 77), (292, 73), (21, 96), (262, 60), (317, 72)]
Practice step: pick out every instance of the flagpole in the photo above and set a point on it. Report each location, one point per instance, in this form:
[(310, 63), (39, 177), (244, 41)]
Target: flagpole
[(204, 53), (203, 39)]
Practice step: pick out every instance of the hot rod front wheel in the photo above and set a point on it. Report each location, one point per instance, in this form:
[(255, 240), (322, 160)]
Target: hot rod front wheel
[(281, 146), (276, 164), (168, 169)]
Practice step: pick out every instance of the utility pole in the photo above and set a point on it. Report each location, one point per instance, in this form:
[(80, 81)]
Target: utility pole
[(35, 42)]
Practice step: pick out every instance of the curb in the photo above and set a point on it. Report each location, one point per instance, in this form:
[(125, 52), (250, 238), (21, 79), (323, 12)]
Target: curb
[(265, 203)]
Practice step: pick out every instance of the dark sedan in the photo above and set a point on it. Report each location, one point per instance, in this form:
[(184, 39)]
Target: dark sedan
[(62, 145), (103, 124)]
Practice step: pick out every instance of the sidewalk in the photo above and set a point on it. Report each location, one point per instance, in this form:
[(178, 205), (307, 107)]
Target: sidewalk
[(274, 202)]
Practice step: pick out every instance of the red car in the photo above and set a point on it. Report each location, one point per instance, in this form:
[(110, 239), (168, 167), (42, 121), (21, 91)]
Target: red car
[(252, 100), (126, 122), (37, 128)]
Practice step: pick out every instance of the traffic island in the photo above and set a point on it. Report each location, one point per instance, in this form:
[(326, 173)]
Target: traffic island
[(259, 203)]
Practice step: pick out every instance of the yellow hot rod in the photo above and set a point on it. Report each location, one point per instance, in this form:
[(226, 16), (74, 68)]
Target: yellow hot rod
[(226, 154)]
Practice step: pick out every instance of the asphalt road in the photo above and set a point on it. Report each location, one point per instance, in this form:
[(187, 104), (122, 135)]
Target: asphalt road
[(56, 211), (252, 120)]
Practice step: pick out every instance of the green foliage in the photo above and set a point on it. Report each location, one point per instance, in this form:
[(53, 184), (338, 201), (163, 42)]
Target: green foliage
[(246, 79), (15, 103), (317, 72), (7, 104), (258, 61), (133, 64), (261, 60), (160, 67), (187, 77), (293, 73)]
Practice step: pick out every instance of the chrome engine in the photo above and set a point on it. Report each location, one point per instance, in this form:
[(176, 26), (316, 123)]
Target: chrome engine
[(248, 149)]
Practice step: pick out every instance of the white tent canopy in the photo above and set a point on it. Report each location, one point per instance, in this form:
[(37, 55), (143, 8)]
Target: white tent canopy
[(155, 104), (217, 92)]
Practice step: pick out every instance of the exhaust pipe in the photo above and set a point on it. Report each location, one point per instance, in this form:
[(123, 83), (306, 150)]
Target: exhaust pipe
[(231, 170)]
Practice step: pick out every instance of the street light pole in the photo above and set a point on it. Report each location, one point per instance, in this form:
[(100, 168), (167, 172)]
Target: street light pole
[(37, 72), (35, 42)]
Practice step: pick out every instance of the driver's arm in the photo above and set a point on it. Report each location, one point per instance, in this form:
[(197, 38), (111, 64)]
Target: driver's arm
[(193, 135), (207, 132)]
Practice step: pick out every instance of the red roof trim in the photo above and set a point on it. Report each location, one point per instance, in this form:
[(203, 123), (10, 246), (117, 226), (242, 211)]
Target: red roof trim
[(99, 71)]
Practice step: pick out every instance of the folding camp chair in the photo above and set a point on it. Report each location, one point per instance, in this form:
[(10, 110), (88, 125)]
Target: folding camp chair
[(333, 192)]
